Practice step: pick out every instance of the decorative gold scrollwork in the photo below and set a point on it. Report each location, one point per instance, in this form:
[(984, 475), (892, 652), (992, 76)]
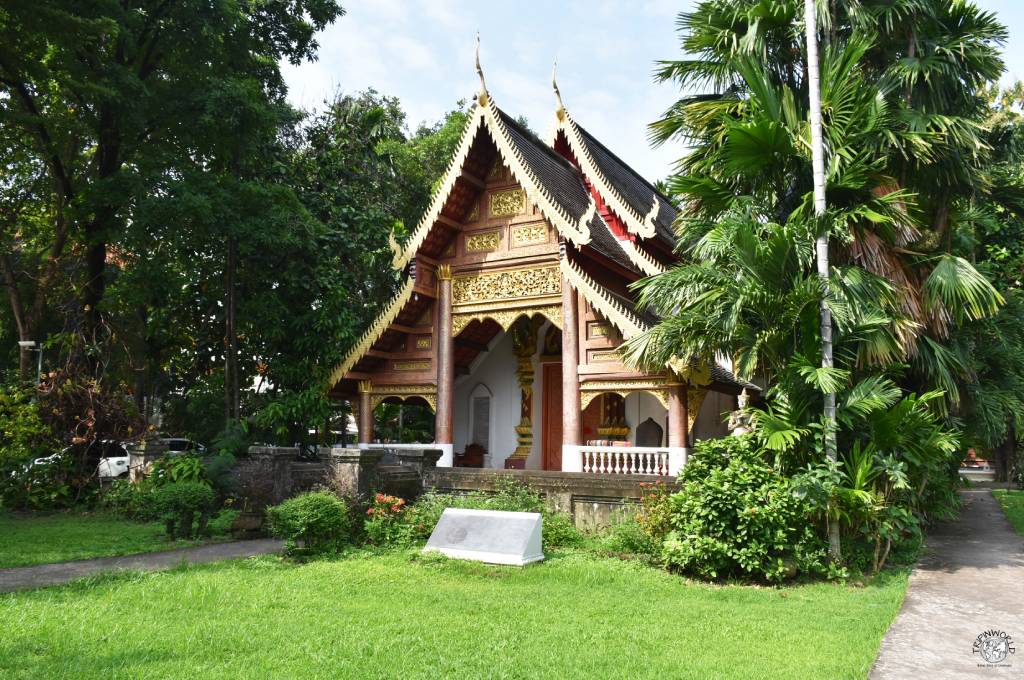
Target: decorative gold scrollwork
[(508, 203)]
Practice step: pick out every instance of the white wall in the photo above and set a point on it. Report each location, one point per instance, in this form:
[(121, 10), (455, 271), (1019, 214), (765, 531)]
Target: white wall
[(710, 423), (639, 407), (497, 370)]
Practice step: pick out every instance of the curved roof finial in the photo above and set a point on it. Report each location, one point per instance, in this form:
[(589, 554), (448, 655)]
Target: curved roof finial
[(558, 95), (482, 96)]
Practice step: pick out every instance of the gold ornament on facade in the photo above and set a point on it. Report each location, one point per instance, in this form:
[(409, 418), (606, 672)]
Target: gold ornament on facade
[(592, 390), (516, 283), (485, 242), (506, 317), (427, 393), (444, 272), (529, 235), (508, 203), (474, 213), (412, 365), (604, 357), (423, 343)]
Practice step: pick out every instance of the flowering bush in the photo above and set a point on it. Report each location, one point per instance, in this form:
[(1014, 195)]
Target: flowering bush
[(655, 514), (388, 521)]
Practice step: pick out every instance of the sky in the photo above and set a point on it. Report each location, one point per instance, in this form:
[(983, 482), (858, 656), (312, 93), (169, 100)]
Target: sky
[(422, 52)]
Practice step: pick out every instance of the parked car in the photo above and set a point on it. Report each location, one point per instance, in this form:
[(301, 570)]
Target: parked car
[(179, 445), (110, 456)]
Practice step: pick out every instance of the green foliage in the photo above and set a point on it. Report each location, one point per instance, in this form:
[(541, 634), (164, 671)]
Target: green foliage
[(133, 501), (170, 469), (179, 504), (387, 522), (737, 517), (23, 434), (627, 537), (315, 523)]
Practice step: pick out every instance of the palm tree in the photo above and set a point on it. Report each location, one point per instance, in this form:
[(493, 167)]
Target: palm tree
[(821, 245), (748, 131)]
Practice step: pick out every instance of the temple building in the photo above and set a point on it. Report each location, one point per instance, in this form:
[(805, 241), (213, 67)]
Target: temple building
[(515, 298)]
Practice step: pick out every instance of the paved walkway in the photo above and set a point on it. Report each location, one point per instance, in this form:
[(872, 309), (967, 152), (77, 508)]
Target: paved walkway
[(971, 580), (20, 578)]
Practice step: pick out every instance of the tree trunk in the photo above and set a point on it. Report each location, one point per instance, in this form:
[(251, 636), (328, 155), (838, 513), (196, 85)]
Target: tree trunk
[(231, 406), (1005, 455), (821, 246)]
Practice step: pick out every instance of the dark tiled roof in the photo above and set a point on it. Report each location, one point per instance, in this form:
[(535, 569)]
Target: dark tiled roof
[(603, 241), (638, 192), (558, 176)]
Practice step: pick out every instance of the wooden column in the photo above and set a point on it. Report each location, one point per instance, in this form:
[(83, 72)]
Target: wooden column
[(571, 413), (445, 357), (365, 413), (678, 417)]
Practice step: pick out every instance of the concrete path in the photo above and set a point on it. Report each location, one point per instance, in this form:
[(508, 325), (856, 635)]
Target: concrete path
[(20, 578), (970, 581)]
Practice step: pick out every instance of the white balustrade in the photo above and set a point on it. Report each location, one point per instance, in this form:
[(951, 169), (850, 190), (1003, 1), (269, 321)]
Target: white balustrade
[(631, 460)]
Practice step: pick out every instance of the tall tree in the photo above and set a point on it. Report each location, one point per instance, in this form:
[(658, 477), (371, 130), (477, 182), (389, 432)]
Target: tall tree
[(821, 244), (105, 92)]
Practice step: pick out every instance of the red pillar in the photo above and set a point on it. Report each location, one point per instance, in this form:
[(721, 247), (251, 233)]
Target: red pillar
[(678, 417), (445, 357), (365, 413), (571, 415)]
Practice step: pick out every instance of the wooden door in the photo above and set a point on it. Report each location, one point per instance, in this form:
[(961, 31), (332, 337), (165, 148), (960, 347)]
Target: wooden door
[(552, 418)]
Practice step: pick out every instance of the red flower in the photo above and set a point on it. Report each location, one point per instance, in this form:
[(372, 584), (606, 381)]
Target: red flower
[(369, 511)]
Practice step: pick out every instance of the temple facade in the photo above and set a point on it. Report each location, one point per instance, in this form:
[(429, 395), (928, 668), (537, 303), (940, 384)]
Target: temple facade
[(515, 299)]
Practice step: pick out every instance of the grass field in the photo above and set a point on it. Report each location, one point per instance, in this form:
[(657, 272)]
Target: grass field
[(1013, 505), (400, 616), (38, 539)]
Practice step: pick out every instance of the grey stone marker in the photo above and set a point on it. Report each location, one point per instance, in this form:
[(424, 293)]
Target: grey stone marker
[(491, 536)]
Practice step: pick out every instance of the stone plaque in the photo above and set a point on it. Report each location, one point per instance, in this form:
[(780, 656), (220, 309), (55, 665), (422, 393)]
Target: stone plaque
[(491, 536)]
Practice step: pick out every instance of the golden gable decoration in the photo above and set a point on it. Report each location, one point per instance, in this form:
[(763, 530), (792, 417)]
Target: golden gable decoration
[(508, 203), (485, 242), (516, 283), (529, 234)]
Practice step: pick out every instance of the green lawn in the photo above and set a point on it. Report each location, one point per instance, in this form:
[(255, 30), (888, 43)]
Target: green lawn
[(400, 616), (1013, 505), (38, 539)]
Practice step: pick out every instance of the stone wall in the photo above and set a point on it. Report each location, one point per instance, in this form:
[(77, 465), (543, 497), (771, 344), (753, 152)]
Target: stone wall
[(592, 500), (270, 474)]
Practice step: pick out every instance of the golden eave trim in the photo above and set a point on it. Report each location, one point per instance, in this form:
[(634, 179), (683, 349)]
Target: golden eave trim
[(486, 114), (627, 323), (638, 256), (405, 253), (374, 332), (641, 225)]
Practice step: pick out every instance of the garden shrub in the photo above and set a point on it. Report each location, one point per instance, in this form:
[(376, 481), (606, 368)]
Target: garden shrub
[(180, 504), (313, 523), (654, 517), (184, 468), (24, 436), (628, 537), (387, 521), (134, 501), (736, 517)]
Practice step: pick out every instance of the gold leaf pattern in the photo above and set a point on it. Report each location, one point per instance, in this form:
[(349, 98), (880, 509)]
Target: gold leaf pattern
[(485, 242), (517, 283), (507, 203)]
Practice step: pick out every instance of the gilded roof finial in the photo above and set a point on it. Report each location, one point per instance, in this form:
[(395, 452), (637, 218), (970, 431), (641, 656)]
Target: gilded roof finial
[(560, 112), (482, 96)]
